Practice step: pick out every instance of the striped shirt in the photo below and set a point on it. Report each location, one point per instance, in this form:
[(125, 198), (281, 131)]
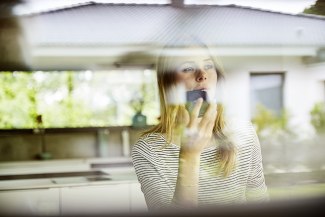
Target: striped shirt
[(156, 166)]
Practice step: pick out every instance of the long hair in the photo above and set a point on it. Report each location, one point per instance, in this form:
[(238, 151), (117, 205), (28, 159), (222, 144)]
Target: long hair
[(171, 115)]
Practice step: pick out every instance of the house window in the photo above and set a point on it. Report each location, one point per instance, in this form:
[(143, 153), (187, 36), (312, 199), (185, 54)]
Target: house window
[(266, 89)]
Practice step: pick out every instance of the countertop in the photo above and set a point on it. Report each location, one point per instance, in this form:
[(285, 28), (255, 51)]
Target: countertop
[(66, 173), (103, 171)]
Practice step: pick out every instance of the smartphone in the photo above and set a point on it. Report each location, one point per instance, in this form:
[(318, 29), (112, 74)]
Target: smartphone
[(192, 96)]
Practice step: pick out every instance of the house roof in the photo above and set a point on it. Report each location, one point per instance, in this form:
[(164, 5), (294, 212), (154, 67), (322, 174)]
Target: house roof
[(93, 24)]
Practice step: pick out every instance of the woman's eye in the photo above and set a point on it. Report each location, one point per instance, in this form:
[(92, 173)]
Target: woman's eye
[(188, 69), (208, 66)]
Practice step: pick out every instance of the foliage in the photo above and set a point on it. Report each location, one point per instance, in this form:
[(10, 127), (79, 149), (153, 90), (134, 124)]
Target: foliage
[(17, 100), (144, 101), (318, 116), (318, 8), (139, 101), (265, 119), (74, 99)]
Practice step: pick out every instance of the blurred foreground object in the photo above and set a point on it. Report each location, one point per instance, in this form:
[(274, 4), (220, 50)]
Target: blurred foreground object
[(93, 35), (317, 8), (12, 41)]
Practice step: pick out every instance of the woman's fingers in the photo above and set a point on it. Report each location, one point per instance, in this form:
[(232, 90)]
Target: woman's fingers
[(183, 119), (195, 113), (199, 131), (211, 123), (209, 116)]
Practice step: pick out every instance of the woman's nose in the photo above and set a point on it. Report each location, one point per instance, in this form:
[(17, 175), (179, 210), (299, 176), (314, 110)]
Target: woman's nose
[(201, 75)]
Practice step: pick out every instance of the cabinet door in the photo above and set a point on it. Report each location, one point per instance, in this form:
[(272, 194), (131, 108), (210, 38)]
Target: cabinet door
[(30, 202), (103, 199), (138, 203)]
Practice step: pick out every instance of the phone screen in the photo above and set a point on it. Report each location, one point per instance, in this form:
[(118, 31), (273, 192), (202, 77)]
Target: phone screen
[(192, 96)]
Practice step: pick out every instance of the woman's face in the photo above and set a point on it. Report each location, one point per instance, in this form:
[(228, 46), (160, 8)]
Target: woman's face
[(196, 72)]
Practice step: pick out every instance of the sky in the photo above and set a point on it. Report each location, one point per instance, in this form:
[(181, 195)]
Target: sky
[(284, 6)]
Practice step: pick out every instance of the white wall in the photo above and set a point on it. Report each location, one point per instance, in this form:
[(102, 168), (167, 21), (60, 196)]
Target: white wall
[(317, 72), (303, 87), (237, 85)]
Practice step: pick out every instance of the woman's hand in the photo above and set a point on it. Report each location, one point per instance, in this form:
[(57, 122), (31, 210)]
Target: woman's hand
[(199, 131)]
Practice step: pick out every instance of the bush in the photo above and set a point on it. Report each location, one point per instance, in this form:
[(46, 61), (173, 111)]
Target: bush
[(318, 117), (265, 119)]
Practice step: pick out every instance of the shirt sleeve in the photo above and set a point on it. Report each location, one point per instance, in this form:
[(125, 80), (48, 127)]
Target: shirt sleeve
[(158, 194), (256, 188)]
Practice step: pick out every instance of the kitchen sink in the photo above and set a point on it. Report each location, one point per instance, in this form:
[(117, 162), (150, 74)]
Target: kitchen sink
[(78, 174), (98, 178), (82, 179), (57, 178), (111, 165)]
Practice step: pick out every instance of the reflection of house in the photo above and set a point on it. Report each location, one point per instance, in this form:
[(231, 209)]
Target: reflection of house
[(269, 57)]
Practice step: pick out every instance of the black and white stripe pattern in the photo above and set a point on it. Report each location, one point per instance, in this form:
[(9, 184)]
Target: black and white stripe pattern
[(156, 166)]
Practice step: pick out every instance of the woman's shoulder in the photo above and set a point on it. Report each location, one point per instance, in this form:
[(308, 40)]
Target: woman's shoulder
[(241, 131), (239, 126), (150, 140)]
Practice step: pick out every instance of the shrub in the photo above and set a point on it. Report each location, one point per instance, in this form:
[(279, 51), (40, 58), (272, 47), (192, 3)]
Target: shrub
[(318, 117), (265, 119)]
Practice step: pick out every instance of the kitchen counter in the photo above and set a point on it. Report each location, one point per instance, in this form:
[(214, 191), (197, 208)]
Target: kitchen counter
[(62, 165), (65, 173)]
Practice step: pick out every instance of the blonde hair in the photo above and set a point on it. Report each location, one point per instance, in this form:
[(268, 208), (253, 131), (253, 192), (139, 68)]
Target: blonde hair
[(171, 115)]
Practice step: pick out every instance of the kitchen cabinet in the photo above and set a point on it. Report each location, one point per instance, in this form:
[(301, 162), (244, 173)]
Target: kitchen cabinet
[(30, 202), (137, 200), (106, 198), (102, 199)]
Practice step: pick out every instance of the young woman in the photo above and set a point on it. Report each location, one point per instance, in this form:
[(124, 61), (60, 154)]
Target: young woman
[(188, 160)]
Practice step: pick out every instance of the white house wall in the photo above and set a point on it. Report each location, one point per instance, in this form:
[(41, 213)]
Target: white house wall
[(237, 85), (317, 72), (302, 88), (300, 93)]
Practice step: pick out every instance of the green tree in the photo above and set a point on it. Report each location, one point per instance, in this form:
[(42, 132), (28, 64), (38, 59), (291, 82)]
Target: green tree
[(318, 8), (67, 112), (17, 100), (60, 98)]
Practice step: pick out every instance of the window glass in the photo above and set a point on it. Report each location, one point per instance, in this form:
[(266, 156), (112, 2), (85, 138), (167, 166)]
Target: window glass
[(77, 99), (266, 90)]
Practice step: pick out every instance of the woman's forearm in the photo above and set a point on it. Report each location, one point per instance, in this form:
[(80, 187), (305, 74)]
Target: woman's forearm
[(186, 191)]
